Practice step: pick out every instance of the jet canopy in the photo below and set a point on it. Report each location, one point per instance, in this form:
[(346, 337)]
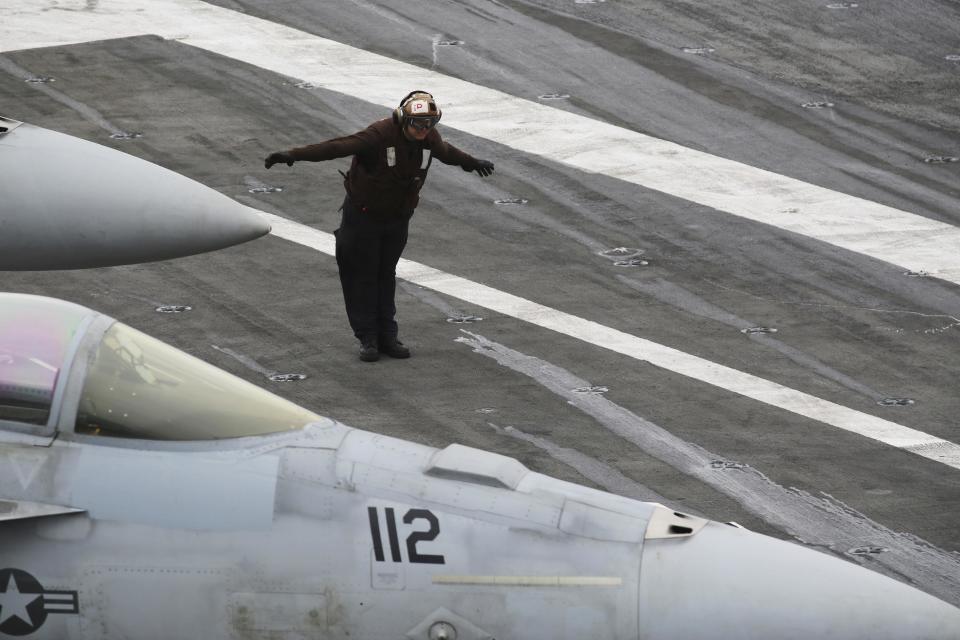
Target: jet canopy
[(35, 339), (66, 370)]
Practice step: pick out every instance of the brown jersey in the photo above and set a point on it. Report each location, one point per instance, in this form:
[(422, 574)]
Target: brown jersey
[(388, 170)]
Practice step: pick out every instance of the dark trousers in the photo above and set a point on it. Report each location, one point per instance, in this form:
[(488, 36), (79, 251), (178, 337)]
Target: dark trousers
[(368, 250)]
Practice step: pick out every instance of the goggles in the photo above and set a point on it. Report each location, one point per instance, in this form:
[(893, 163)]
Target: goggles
[(423, 124)]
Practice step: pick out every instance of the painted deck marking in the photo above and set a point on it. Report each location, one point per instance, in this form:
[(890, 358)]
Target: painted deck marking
[(881, 232)]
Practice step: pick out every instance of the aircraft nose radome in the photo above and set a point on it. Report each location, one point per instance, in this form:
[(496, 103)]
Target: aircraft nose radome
[(66, 203), (725, 583)]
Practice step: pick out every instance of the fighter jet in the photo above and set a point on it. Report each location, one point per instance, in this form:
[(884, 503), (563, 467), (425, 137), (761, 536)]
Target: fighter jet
[(66, 203), (146, 494)]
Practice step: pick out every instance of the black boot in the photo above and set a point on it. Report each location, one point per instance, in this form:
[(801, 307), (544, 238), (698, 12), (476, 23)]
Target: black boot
[(393, 347), (368, 350)]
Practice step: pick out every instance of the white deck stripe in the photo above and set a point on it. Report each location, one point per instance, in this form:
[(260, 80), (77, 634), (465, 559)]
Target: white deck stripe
[(692, 366), (911, 241)]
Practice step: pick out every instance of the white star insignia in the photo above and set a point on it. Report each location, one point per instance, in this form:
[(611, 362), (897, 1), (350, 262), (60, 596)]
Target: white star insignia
[(13, 604)]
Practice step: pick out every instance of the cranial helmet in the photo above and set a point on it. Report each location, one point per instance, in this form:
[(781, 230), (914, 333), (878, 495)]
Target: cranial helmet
[(417, 105)]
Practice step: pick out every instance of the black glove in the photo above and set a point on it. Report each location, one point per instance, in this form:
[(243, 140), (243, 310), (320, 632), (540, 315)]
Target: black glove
[(276, 157), (484, 168)]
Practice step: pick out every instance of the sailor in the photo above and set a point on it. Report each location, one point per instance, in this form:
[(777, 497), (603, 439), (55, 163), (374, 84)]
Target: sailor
[(391, 158)]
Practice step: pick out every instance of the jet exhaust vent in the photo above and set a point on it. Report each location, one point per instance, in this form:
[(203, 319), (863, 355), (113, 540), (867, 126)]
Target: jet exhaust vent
[(8, 124), (666, 523), (466, 464)]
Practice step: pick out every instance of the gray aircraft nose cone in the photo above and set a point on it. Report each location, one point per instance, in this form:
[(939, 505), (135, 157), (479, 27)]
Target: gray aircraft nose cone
[(726, 583), (66, 203)]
